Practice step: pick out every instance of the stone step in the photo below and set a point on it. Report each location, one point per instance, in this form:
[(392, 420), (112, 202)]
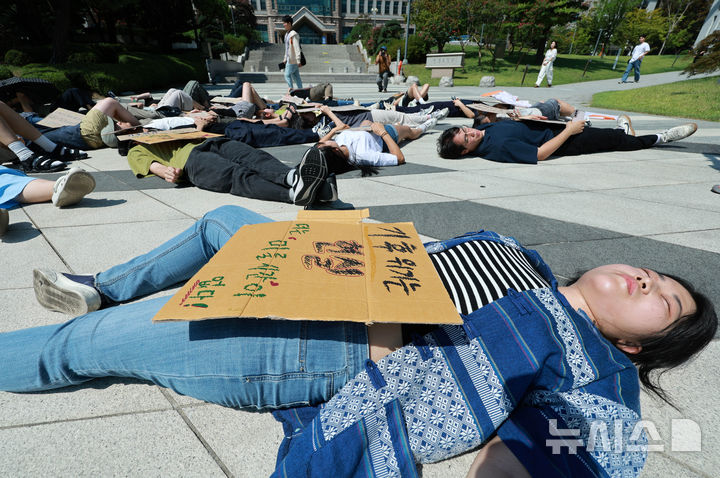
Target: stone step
[(307, 78)]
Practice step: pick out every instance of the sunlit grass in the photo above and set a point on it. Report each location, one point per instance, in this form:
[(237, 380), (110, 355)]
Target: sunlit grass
[(699, 99)]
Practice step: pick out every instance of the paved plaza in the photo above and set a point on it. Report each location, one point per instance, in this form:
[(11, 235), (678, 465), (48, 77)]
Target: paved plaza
[(652, 208)]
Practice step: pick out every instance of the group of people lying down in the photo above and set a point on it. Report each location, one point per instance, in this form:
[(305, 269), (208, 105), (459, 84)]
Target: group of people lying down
[(348, 137), (531, 358)]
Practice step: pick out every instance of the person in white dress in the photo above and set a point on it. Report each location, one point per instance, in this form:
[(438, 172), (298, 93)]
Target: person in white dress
[(547, 65)]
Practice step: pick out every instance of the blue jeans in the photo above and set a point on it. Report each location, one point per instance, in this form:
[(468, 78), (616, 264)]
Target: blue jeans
[(293, 72), (632, 65), (67, 136), (259, 363)]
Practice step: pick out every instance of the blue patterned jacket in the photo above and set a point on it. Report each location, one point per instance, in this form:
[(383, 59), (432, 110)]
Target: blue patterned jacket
[(527, 367)]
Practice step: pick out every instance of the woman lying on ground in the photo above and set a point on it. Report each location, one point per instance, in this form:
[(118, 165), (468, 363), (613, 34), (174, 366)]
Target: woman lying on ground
[(531, 358), (354, 149)]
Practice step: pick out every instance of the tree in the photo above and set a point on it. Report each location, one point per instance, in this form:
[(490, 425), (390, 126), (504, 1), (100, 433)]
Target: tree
[(536, 18), (675, 11), (638, 21), (438, 20), (707, 56), (607, 15)]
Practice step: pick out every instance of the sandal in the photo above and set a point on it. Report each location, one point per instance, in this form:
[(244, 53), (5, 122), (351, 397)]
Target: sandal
[(41, 164), (63, 153)]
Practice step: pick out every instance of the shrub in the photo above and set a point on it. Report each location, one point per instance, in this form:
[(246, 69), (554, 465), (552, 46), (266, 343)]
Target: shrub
[(83, 58), (417, 48), (5, 72), (235, 44), (53, 75), (17, 58)]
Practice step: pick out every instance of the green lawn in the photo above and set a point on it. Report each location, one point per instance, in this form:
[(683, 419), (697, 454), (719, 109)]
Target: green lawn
[(699, 99), (568, 68)]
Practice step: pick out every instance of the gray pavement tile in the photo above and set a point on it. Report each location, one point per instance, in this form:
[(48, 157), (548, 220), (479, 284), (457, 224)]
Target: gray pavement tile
[(605, 210), (93, 253), (28, 247), (19, 309), (606, 175), (102, 208), (196, 202), (156, 444), (97, 398), (658, 464), (454, 467), (703, 240), (466, 185), (693, 388), (366, 192), (449, 219), (233, 436), (697, 195)]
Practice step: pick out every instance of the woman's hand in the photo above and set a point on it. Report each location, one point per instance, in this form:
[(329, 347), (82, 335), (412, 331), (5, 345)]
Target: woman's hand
[(377, 128)]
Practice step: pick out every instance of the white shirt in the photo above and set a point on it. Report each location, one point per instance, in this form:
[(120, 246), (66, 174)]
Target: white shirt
[(550, 55), (639, 50), (170, 123), (365, 149)]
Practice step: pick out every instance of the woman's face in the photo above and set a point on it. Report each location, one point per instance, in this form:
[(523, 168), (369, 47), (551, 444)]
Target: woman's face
[(553, 45), (628, 303)]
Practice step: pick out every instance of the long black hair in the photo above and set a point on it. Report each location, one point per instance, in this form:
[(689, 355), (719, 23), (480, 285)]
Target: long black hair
[(339, 164), (676, 344)]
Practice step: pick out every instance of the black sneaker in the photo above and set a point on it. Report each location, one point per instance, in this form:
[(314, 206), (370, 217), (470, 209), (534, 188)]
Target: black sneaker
[(61, 153), (311, 173), (39, 163), (327, 192)]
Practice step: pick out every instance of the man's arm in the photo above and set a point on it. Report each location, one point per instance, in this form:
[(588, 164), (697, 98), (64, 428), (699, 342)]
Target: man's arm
[(547, 149), (466, 111)]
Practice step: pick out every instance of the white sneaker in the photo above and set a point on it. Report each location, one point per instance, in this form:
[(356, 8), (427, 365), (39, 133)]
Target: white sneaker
[(624, 123), (440, 114), (72, 187), (677, 133), (428, 124), (4, 221), (56, 292), (428, 110)]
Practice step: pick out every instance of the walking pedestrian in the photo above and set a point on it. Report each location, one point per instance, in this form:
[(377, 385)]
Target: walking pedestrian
[(638, 53), (293, 54)]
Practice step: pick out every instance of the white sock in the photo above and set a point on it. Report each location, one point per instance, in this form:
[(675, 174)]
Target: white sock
[(45, 143), (290, 178), (423, 127), (659, 140), (422, 101), (20, 150)]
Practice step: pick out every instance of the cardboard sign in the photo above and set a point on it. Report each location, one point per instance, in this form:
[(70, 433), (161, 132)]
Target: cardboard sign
[(487, 108), (180, 134), (226, 100), (325, 265), (61, 117)]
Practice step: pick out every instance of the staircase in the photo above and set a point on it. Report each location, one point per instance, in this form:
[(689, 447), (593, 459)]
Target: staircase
[(331, 63)]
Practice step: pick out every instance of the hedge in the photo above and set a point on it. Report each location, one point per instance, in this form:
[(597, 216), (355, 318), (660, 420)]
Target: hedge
[(134, 72)]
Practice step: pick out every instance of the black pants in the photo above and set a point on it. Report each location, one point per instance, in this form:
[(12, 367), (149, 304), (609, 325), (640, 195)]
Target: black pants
[(223, 166), (260, 135), (602, 140)]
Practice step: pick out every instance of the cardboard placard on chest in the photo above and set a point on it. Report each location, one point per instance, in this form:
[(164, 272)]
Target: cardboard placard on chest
[(326, 265)]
